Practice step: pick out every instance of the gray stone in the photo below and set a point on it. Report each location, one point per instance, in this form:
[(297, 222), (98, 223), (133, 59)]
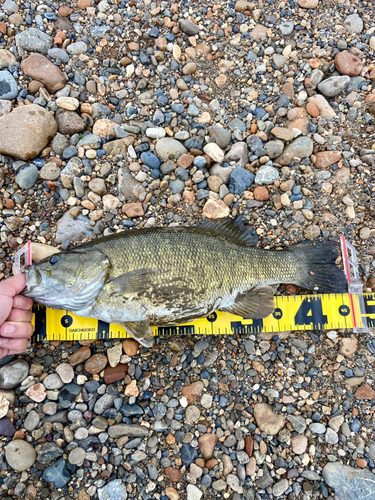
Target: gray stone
[(298, 423), (57, 474), (49, 452), (221, 135), (10, 6), (168, 146), (280, 487), (302, 147), (128, 186), (188, 27), (266, 175), (311, 475), (237, 124), (274, 148), (8, 86), (72, 168), (114, 490), (34, 40), (286, 28), (60, 54), (53, 381), (104, 403), (223, 172), (120, 430), (349, 483), (31, 421), (193, 493), (266, 480), (50, 171), (59, 143), (12, 374), (330, 87), (27, 175), (20, 455), (77, 456), (69, 122), (317, 428), (331, 436), (250, 347), (74, 49), (100, 110), (90, 141), (354, 24), (73, 229), (238, 153)]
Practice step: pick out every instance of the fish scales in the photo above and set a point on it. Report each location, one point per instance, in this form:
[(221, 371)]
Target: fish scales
[(165, 276)]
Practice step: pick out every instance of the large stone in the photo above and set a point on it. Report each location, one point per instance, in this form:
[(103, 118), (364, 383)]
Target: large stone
[(168, 146), (80, 356), (7, 59), (39, 68), (348, 64), (333, 86), (302, 147), (267, 421), (193, 391), (114, 490), (27, 175), (221, 136), (325, 159), (8, 86), (12, 374), (20, 455), (69, 122), (73, 228), (207, 443), (57, 474), (215, 209), (34, 40), (120, 430), (325, 109), (119, 147), (128, 186), (353, 23), (26, 131), (349, 483)]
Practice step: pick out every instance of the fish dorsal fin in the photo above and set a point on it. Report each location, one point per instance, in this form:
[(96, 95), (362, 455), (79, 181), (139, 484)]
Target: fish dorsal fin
[(141, 331), (235, 228), (257, 303), (137, 281)]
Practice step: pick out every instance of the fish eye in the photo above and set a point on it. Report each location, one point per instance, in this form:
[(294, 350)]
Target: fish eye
[(53, 260)]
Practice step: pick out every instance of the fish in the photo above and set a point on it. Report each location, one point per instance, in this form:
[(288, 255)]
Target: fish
[(167, 276)]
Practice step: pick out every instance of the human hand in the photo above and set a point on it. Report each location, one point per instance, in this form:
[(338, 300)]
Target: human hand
[(15, 316)]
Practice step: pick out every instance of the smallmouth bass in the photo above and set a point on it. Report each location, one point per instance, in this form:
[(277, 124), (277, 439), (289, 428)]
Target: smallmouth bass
[(173, 275)]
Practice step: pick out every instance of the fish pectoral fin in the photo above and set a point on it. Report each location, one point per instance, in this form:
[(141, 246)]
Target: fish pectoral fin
[(141, 332), (256, 303), (139, 280)]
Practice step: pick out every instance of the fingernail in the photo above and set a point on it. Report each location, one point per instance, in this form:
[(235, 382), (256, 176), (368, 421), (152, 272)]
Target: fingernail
[(9, 329), (3, 340)]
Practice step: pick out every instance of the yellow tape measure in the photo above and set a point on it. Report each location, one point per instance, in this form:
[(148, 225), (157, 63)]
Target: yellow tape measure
[(293, 312)]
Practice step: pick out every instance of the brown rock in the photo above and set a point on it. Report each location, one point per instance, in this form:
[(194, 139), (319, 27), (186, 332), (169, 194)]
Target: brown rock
[(173, 474), (193, 391), (312, 110), (365, 392), (69, 122), (282, 133), (266, 420), (308, 4), (185, 160), (210, 464), (370, 98), (37, 393), (83, 495), (39, 68), (34, 86), (348, 346), (80, 356), (288, 90), (361, 463), (207, 444), (26, 131), (249, 445), (64, 11), (96, 364), (215, 209), (112, 375), (259, 33), (300, 121), (3, 28), (243, 5), (261, 194), (104, 127), (172, 493), (189, 68), (133, 210), (84, 4), (118, 147), (132, 389), (130, 347), (325, 159), (348, 64)]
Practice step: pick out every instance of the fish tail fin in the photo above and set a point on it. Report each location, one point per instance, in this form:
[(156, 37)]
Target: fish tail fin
[(317, 268)]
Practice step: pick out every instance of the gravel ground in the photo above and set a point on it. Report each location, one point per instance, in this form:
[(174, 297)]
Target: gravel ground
[(116, 115)]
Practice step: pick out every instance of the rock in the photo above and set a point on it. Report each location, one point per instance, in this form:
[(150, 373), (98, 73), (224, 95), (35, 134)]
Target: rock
[(128, 186), (53, 381), (6, 427), (188, 454), (325, 159), (213, 151), (69, 122), (20, 455), (112, 375), (238, 153), (349, 483), (274, 148), (77, 456), (267, 421), (69, 103), (133, 210), (39, 68), (31, 421), (73, 228), (334, 85), (37, 393), (298, 423), (50, 171), (365, 392), (308, 4), (13, 373), (114, 490), (117, 431), (302, 147), (282, 133), (193, 493), (130, 347), (7, 59), (4, 406), (188, 27), (34, 40), (243, 5), (57, 474), (69, 394), (299, 444), (80, 356), (312, 110), (365, 233), (59, 54), (323, 106), (207, 443), (331, 436), (317, 428), (259, 33), (5, 107), (215, 209), (353, 23), (114, 355), (74, 49), (96, 364), (249, 445), (221, 136), (104, 127), (348, 346), (173, 474), (234, 483), (266, 480), (26, 131), (281, 486), (8, 86), (27, 175), (49, 452), (118, 147), (312, 232), (193, 391), (240, 180), (348, 64), (266, 175), (168, 146)]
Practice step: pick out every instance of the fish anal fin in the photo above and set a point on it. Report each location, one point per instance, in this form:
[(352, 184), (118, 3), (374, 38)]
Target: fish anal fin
[(139, 280), (257, 303), (246, 235), (141, 331)]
